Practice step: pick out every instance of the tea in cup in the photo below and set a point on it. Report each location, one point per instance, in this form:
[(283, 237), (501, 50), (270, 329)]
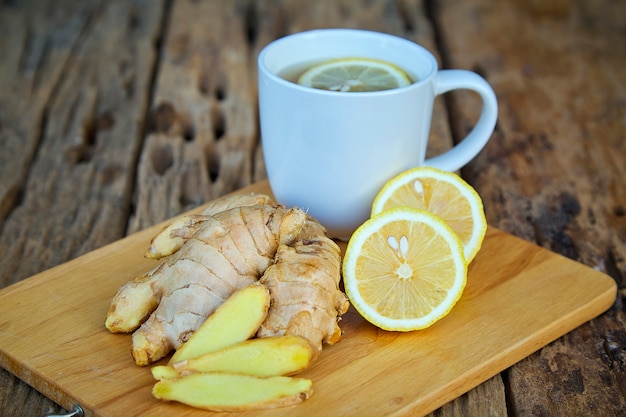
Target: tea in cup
[(331, 140)]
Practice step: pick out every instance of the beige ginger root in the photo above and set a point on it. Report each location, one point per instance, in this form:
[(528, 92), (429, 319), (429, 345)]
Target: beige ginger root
[(226, 252), (175, 234), (304, 286), (208, 257)]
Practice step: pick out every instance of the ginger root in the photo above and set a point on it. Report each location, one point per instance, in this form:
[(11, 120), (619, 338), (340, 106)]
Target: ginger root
[(231, 245), (214, 391), (303, 284), (226, 252)]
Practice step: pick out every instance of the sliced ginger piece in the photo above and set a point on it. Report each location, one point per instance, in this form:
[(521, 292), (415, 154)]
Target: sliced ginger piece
[(233, 392), (236, 320), (270, 356)]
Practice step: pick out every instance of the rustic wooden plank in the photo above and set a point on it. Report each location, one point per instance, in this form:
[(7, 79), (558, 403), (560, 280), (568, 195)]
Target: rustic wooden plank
[(78, 188), (202, 132), (204, 140), (554, 172), (487, 399), (35, 44), (17, 399), (74, 83), (35, 47)]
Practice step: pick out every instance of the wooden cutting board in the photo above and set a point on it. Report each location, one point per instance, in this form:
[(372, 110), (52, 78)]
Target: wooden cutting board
[(519, 297)]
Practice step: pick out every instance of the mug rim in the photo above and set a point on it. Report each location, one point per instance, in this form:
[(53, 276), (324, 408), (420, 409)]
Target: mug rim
[(316, 33)]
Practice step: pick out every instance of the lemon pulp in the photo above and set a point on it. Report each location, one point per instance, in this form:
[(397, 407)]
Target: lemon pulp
[(404, 269), (354, 75), (442, 193)]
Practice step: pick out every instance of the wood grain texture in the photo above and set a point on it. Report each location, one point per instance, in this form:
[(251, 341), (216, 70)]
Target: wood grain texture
[(553, 173), (202, 124), (74, 85), (86, 127), (371, 372), (88, 154)]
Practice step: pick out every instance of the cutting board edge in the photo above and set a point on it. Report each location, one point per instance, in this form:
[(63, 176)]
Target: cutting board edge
[(479, 374), (38, 381)]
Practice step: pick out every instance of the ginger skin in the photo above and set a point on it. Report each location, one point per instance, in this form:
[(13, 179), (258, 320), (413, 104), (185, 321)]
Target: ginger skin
[(232, 244), (175, 234), (227, 252), (304, 286)]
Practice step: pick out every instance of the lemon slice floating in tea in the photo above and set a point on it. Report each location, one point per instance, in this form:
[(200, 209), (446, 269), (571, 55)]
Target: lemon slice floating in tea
[(442, 193), (354, 75), (404, 269)]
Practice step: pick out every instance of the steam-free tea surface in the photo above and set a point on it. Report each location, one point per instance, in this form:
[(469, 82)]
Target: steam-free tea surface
[(519, 297)]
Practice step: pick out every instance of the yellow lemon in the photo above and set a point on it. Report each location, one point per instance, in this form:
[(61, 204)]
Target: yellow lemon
[(442, 193), (354, 75), (404, 269)]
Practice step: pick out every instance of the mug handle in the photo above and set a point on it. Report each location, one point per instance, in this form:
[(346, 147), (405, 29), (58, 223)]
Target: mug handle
[(476, 140)]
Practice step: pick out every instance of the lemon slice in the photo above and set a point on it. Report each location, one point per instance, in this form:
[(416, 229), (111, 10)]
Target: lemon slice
[(354, 75), (404, 269), (442, 193)]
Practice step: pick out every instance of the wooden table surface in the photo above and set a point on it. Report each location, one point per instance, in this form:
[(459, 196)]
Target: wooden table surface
[(116, 115)]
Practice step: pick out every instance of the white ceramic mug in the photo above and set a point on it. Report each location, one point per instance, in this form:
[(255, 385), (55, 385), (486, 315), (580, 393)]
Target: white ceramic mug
[(331, 152)]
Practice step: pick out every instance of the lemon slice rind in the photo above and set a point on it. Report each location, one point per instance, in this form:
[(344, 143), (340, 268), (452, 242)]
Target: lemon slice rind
[(354, 75), (471, 245), (446, 238)]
